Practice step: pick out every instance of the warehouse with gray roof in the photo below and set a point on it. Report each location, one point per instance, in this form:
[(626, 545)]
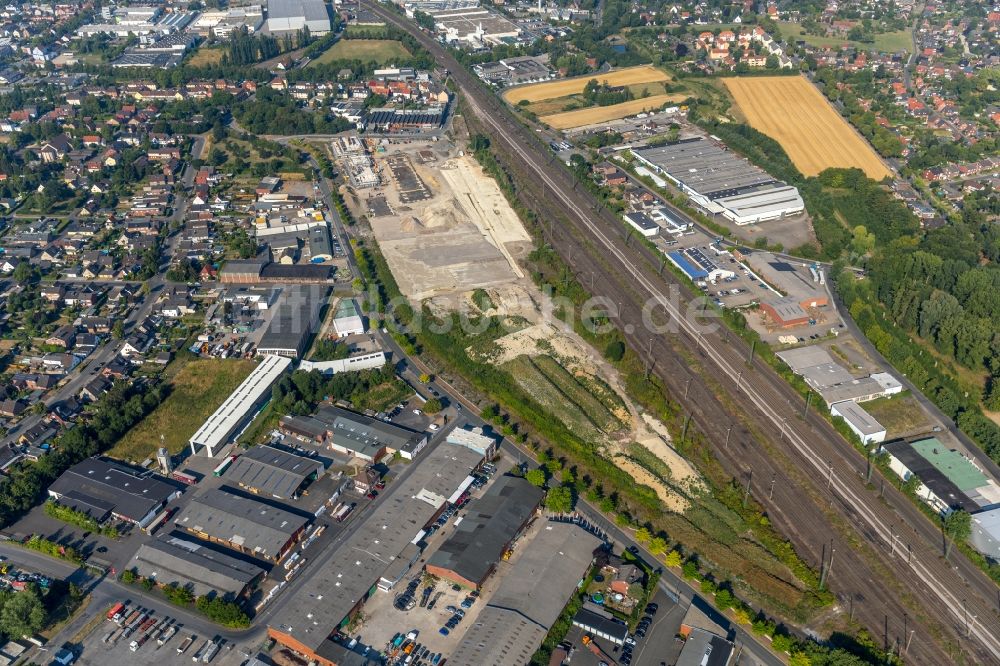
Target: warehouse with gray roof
[(295, 319), (294, 15), (246, 525), (529, 599), (185, 563), (104, 488), (342, 583), (266, 470), (489, 526), (721, 181)]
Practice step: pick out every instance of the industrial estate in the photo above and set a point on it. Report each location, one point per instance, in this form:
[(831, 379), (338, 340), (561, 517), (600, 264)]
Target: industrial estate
[(468, 333)]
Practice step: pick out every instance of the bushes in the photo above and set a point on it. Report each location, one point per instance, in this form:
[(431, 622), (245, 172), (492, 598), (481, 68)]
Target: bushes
[(78, 518), (53, 549)]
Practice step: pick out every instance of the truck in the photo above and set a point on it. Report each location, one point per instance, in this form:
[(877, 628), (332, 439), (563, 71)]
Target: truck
[(167, 634), (204, 647), (210, 653), (128, 619), (184, 477), (344, 512), (138, 643), (115, 610), (588, 642), (186, 644)]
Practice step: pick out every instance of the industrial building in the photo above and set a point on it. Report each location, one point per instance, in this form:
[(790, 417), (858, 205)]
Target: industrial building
[(785, 312), (256, 271), (722, 182), (266, 470), (294, 15), (341, 584), (476, 439), (948, 480), (986, 533), (390, 120), (105, 489), (600, 624), (832, 381), (309, 237), (193, 565), (529, 599), (355, 434), (642, 223), (350, 364), (490, 525), (859, 421), (295, 320), (347, 319), (242, 524), (696, 265), (703, 648), (475, 26), (240, 407)]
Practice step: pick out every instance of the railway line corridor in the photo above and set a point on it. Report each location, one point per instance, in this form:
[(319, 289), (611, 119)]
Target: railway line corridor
[(957, 601)]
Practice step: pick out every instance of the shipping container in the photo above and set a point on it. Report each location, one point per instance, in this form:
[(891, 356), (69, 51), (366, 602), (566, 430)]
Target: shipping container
[(184, 478), (186, 644), (223, 466)]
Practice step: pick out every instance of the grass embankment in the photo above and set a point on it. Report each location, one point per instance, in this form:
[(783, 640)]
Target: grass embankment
[(197, 388)]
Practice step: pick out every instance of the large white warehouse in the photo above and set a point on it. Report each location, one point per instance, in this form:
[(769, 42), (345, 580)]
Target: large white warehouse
[(240, 406), (722, 182)]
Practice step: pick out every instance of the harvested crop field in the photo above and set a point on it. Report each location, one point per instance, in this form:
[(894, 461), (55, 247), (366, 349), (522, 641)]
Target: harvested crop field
[(535, 92), (602, 114), (792, 111)]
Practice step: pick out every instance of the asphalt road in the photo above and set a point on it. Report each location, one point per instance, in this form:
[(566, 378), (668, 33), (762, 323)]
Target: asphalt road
[(889, 566)]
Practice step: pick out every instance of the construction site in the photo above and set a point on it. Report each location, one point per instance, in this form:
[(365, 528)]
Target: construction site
[(443, 223)]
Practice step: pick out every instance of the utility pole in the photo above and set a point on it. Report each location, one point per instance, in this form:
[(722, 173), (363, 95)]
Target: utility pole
[(827, 569), (829, 478), (746, 494), (965, 612), (739, 378), (808, 400), (684, 432), (729, 432), (784, 420), (770, 493), (687, 386), (753, 348)]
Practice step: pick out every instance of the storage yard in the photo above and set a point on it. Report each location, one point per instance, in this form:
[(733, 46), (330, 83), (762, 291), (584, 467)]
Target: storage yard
[(536, 92), (792, 111)]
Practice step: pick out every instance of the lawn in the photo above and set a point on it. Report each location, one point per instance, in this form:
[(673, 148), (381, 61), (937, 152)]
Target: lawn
[(382, 51), (889, 42), (900, 415), (198, 387), (206, 56)]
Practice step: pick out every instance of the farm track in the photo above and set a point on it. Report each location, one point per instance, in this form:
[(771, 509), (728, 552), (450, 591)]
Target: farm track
[(820, 499), (794, 113)]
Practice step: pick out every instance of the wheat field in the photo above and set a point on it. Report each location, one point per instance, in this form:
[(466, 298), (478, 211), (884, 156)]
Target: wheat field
[(790, 110), (602, 114), (536, 92)]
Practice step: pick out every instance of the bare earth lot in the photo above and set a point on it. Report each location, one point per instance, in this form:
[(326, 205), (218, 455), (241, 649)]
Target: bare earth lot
[(792, 111), (462, 236)]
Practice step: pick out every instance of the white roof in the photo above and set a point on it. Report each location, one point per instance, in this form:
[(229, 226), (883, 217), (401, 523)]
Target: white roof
[(220, 425), (860, 420)]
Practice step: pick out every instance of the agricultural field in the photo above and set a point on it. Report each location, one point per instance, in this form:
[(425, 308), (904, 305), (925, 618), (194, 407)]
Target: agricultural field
[(536, 92), (196, 390), (792, 111), (382, 51), (602, 114)]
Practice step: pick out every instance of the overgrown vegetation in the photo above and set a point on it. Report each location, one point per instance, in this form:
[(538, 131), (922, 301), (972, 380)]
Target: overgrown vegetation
[(79, 518)]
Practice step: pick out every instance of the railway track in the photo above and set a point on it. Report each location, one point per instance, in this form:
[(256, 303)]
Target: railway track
[(819, 478)]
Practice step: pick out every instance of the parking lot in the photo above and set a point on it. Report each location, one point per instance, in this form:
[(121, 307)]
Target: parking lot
[(425, 605), (111, 643)]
